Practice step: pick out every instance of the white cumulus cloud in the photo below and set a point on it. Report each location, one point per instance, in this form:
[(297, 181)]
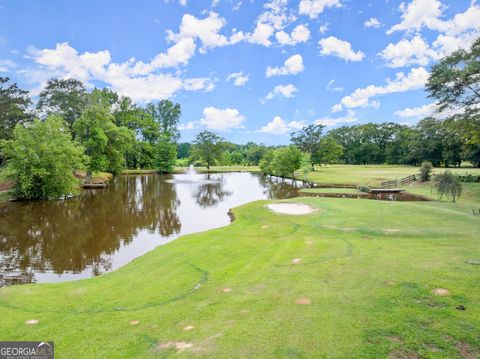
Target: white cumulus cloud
[(313, 8), (361, 97), (292, 66), (278, 126), (239, 78), (329, 121), (281, 90), (372, 22), (221, 119), (332, 46), (299, 34)]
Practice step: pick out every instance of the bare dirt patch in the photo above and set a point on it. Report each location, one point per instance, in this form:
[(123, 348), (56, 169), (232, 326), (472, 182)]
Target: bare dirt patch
[(264, 226), (31, 322), (303, 301), (296, 209), (296, 260), (308, 242), (441, 292), (227, 290), (391, 230), (402, 354), (179, 346), (188, 328), (395, 339), (466, 351), (134, 322)]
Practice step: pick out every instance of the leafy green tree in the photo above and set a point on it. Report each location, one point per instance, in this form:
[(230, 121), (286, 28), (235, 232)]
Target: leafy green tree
[(447, 184), (208, 147), (14, 104), (266, 162), (166, 155), (183, 150), (305, 166), (286, 161), (166, 115), (329, 151), (254, 153), (42, 159), (454, 80), (105, 143), (308, 140), (66, 98)]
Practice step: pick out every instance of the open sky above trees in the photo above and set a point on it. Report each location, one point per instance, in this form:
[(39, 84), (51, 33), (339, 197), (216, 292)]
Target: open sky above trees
[(249, 70)]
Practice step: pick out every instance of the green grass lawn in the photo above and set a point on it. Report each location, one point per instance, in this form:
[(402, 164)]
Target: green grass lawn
[(470, 193), (368, 268), (330, 190), (370, 175)]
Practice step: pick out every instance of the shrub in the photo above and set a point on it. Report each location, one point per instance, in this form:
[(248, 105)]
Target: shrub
[(425, 171), (363, 188)]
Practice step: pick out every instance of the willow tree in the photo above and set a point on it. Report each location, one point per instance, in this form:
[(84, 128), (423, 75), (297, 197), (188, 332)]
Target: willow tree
[(448, 185)]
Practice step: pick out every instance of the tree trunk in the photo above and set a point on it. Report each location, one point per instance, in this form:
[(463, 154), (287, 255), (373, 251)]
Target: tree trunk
[(88, 177)]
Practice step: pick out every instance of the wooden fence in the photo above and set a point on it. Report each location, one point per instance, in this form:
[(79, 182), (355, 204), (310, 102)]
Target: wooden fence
[(402, 181)]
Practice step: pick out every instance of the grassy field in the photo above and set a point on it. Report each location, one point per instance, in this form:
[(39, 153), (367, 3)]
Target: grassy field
[(369, 275), (470, 193), (370, 175), (330, 190)]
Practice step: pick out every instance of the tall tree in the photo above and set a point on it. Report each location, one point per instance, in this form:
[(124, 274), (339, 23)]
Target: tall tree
[(329, 151), (104, 142), (66, 98), (308, 140), (14, 104), (455, 81), (208, 147), (42, 158)]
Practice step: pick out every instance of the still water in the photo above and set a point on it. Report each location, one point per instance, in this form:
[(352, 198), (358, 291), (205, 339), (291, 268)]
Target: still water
[(104, 229)]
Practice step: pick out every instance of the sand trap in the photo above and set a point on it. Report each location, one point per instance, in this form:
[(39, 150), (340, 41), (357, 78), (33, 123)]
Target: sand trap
[(291, 208), (188, 327), (227, 290), (134, 322), (296, 260), (31, 322)]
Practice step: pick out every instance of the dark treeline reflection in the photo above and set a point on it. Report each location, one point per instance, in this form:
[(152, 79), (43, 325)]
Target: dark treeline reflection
[(212, 193), (72, 234), (276, 187), (103, 229)]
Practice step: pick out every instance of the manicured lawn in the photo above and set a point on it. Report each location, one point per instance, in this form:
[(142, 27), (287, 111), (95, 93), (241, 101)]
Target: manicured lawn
[(368, 268), (470, 193), (370, 175), (330, 190)]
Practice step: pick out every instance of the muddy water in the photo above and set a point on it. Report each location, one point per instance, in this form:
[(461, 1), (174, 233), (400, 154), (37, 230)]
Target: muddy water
[(104, 229)]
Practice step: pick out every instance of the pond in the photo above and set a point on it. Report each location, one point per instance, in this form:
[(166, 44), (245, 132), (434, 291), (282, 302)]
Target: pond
[(104, 229)]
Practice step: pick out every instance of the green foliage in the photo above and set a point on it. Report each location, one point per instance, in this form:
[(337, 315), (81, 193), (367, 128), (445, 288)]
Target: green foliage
[(105, 143), (363, 188), (283, 161), (308, 140), (208, 147), (447, 184), (14, 104), (305, 166), (183, 150), (66, 98), (42, 158), (425, 171), (167, 115), (469, 178), (454, 80), (329, 150), (166, 155)]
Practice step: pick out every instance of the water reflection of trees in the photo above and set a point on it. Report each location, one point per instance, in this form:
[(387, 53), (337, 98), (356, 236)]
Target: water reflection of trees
[(82, 232), (279, 188), (212, 193)]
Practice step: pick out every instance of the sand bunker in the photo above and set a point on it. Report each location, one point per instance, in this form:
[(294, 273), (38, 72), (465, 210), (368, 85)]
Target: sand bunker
[(441, 291), (31, 322), (291, 208)]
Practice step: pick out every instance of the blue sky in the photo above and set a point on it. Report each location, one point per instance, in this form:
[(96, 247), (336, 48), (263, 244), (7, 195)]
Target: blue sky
[(249, 70)]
